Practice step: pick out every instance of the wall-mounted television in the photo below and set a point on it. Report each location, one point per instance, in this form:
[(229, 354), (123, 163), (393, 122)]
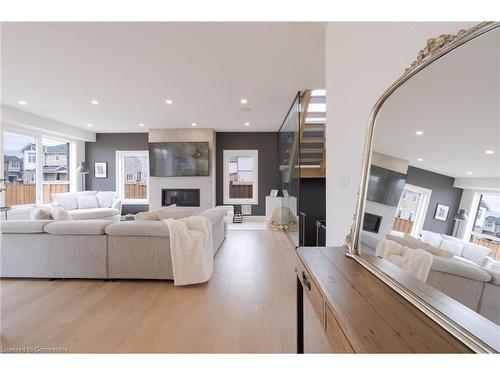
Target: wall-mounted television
[(385, 186), (175, 159)]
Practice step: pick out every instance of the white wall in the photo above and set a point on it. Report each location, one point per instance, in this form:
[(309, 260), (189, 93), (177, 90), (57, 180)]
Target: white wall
[(362, 60), (206, 184)]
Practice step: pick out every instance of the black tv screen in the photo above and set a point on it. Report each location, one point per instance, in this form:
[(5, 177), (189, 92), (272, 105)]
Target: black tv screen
[(172, 159), (385, 186)]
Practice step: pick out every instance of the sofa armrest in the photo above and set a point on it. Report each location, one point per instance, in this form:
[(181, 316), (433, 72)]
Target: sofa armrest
[(117, 205)]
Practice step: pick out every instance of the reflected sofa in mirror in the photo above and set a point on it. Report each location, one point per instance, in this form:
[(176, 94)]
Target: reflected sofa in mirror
[(430, 201)]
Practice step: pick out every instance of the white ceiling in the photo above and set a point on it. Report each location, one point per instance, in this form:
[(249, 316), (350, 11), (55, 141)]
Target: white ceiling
[(456, 103), (132, 68)]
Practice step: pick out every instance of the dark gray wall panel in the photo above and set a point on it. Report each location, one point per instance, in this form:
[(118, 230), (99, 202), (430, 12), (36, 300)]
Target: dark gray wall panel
[(443, 192), (313, 204), (267, 144), (104, 149)]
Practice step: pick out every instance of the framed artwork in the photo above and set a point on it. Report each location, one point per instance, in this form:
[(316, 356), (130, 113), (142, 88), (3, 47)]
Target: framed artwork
[(441, 212), (101, 169)]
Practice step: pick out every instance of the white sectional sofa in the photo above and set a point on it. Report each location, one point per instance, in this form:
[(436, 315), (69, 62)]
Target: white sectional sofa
[(88, 205), (466, 274), (94, 249)]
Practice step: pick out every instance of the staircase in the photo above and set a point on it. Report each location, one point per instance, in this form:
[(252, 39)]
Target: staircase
[(312, 134)]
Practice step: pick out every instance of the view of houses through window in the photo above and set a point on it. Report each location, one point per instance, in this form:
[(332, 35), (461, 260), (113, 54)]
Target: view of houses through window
[(55, 168), (406, 211), (133, 172), (487, 220), (20, 168)]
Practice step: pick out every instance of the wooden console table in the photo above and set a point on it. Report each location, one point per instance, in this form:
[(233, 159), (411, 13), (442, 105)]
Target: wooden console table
[(359, 313)]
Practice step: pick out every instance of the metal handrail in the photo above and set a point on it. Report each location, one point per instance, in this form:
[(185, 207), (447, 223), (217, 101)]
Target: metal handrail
[(320, 233), (302, 221)]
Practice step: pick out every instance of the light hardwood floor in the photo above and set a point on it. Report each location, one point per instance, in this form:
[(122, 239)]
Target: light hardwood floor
[(247, 307)]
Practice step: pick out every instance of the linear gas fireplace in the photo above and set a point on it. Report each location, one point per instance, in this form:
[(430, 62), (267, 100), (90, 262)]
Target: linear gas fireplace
[(180, 197), (371, 222)]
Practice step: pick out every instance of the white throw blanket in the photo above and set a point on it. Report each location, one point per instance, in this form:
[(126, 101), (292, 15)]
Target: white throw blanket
[(192, 249), (416, 262)]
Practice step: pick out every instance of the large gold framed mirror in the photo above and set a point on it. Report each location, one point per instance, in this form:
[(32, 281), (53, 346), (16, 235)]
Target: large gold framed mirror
[(428, 216)]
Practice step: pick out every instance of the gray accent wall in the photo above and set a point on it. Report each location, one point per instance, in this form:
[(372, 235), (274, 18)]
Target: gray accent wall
[(443, 192), (104, 149), (267, 145)]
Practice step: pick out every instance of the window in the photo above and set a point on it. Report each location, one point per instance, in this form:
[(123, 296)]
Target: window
[(55, 161), (487, 221), (240, 176), (19, 169), (411, 210), (132, 170), (35, 167)]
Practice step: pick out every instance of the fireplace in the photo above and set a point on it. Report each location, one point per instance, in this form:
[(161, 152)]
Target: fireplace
[(371, 222), (180, 197)]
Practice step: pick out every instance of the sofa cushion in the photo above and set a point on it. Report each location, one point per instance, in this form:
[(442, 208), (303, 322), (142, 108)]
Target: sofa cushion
[(431, 238), (147, 216), (452, 246), (474, 252), (68, 200), (65, 200), (93, 213), (461, 268), (41, 213), (495, 277), (215, 214), (59, 213), (85, 202), (24, 226), (175, 213), (105, 198), (78, 227), (438, 251), (138, 228)]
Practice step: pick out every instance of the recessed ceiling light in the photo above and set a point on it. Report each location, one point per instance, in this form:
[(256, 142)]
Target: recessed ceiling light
[(141, 125), (247, 124), (244, 101), (193, 124), (420, 159), (419, 132), (94, 102), (89, 125), (169, 101), (469, 172), (22, 102), (489, 152)]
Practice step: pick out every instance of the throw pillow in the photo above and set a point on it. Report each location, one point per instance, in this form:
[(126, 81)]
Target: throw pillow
[(65, 200), (438, 252), (40, 213), (89, 201), (452, 246), (475, 252), (168, 213), (148, 215), (431, 238), (60, 213), (105, 198)]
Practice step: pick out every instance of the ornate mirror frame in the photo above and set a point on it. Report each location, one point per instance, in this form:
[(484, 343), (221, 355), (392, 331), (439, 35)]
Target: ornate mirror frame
[(478, 339)]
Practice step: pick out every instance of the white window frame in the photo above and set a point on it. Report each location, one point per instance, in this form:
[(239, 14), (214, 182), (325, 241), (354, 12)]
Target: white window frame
[(254, 154), (38, 136), (120, 176), (425, 197)]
